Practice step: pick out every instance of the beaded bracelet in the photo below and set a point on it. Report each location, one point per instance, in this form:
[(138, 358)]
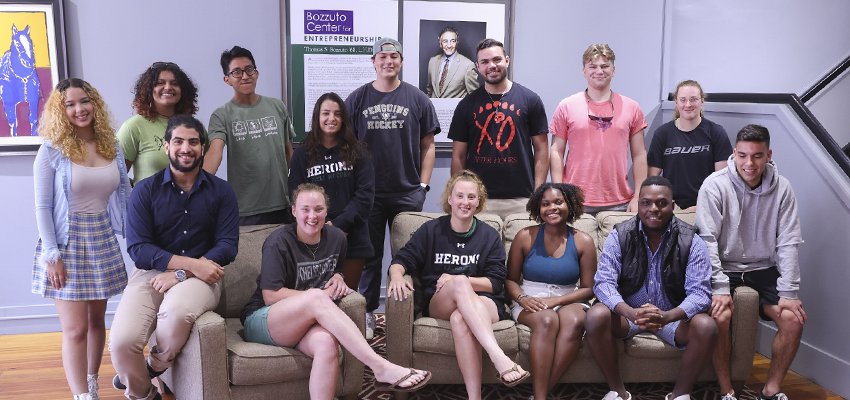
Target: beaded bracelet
[(520, 297)]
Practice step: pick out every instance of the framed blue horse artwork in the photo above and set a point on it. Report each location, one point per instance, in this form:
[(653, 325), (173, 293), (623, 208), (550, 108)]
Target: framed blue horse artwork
[(32, 44)]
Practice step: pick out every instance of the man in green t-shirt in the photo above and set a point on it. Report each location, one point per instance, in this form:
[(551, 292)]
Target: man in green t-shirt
[(258, 133)]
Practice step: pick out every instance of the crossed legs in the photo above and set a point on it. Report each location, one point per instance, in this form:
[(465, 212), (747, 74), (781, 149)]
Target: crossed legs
[(312, 321), (472, 318), (561, 331), (141, 311), (83, 338)]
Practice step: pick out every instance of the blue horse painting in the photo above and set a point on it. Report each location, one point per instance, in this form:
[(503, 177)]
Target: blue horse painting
[(19, 81)]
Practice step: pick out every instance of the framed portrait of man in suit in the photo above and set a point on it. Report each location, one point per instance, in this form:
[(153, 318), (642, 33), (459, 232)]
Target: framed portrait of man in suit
[(440, 40)]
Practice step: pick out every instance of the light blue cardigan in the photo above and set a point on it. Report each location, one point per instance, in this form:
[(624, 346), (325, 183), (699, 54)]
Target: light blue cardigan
[(52, 173)]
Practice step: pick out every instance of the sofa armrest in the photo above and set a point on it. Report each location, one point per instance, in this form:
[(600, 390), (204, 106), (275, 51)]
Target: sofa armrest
[(399, 322), (744, 327), (200, 370), (354, 306)]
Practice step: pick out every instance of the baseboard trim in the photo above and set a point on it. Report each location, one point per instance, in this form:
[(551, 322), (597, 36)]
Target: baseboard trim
[(39, 318), (811, 362)]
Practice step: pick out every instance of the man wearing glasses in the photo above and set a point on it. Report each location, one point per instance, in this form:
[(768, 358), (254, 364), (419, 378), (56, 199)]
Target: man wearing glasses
[(450, 74), (258, 134), (601, 127)]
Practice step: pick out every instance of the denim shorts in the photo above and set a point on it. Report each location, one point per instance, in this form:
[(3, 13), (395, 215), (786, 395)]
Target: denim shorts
[(257, 328), (667, 333)]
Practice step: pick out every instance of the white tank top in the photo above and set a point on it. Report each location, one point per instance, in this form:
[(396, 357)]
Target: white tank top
[(91, 187)]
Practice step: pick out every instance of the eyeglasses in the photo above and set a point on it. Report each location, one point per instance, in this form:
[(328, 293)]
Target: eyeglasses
[(692, 100), (159, 64), (597, 119), (237, 73)]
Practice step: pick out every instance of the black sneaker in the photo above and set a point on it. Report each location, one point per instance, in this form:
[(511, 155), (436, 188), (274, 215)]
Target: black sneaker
[(116, 381), (777, 396)]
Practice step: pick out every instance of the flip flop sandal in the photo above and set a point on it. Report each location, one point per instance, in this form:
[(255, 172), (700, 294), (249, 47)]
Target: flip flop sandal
[(522, 377), (386, 387)]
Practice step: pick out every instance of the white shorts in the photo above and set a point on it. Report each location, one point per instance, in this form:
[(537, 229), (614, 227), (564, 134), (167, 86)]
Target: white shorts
[(541, 290)]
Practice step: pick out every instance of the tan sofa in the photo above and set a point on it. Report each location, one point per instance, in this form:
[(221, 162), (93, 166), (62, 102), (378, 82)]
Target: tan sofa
[(216, 363), (426, 343)]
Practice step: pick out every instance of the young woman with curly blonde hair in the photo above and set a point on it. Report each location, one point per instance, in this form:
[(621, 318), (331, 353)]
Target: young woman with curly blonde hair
[(81, 192)]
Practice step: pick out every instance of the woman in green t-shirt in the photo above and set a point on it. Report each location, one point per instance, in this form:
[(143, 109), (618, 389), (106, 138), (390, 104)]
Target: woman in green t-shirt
[(161, 92)]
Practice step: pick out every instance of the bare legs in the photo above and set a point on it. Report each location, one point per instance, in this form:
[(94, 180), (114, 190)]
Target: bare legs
[(311, 320), (472, 319), (550, 330), (783, 349), (603, 326), (83, 337), (699, 335), (722, 352)]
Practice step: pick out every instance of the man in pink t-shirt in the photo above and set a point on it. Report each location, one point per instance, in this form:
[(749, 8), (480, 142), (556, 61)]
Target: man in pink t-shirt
[(601, 127)]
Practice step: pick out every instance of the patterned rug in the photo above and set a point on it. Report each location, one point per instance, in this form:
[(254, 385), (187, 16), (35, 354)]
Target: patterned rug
[(566, 391)]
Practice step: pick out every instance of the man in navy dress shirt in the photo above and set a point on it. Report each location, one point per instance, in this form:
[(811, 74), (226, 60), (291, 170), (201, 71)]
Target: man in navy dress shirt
[(654, 276), (182, 229)]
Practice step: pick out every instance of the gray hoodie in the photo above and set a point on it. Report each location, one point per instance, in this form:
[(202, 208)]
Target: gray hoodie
[(750, 229)]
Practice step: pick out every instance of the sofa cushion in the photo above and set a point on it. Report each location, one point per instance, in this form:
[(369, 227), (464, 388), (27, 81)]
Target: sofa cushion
[(647, 345), (435, 336), (406, 223), (257, 364), (240, 276)]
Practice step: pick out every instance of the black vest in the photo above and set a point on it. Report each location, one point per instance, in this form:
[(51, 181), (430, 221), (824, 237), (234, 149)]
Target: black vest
[(635, 261)]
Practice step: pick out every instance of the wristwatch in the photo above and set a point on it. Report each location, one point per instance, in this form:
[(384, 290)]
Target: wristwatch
[(425, 186), (180, 275)]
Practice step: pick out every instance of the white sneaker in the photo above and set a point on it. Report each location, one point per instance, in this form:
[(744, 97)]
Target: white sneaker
[(370, 326), (91, 380), (728, 396), (82, 396), (669, 396), (612, 395)]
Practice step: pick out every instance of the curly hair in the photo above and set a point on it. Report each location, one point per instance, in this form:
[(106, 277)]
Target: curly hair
[(143, 90), (351, 149), (467, 176), (597, 50), (54, 124), (572, 194), (309, 187)]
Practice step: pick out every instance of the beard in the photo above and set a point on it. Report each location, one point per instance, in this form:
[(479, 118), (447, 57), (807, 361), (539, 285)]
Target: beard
[(175, 163), (498, 80)]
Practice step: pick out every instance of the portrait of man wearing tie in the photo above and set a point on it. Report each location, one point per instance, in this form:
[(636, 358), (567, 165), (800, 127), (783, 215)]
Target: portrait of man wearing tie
[(450, 74)]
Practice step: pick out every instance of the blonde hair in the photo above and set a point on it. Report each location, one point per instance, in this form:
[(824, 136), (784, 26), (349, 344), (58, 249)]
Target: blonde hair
[(687, 82), (54, 124), (597, 50), (467, 176), (309, 187)]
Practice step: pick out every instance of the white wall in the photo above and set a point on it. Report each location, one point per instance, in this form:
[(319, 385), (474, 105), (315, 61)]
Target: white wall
[(551, 35), (758, 46)]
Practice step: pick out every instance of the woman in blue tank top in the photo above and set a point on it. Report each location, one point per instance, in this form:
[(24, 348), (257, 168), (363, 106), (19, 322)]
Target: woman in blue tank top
[(550, 279)]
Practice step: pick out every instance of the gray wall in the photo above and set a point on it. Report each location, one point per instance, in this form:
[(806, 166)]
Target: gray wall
[(754, 45)]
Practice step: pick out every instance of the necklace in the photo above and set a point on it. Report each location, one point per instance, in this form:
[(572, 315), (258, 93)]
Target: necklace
[(312, 248), (501, 96)]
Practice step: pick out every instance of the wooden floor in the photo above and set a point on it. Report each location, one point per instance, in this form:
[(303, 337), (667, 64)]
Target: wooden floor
[(31, 368)]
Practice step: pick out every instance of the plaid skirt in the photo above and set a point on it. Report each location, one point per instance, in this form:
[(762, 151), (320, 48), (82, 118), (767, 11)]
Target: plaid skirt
[(94, 266)]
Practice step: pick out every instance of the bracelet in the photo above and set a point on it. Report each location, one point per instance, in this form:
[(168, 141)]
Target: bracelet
[(520, 297)]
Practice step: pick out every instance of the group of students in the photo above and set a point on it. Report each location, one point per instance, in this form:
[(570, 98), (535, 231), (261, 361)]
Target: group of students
[(365, 160)]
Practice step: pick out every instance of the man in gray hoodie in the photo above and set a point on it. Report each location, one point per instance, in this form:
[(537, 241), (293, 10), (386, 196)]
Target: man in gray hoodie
[(747, 215)]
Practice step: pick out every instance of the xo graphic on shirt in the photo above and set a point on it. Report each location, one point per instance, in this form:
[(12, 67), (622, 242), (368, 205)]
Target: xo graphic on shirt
[(500, 115)]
